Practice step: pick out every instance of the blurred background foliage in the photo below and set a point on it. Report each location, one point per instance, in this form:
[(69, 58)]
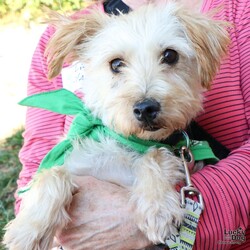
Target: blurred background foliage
[(28, 11)]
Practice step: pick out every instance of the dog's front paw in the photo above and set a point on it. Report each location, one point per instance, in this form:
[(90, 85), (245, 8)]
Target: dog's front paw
[(43, 212), (20, 235), (159, 220), (24, 232)]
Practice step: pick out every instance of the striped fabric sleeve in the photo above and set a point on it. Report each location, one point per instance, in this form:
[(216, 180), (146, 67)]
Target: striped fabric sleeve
[(42, 128), (225, 189)]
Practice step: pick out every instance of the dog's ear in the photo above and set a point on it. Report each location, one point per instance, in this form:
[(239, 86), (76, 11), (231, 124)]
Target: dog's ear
[(68, 40), (210, 40)]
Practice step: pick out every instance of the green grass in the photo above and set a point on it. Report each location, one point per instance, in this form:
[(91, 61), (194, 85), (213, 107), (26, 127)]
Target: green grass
[(25, 12), (9, 170)]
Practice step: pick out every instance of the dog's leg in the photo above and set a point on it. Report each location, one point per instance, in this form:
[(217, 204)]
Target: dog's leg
[(43, 211), (158, 210)]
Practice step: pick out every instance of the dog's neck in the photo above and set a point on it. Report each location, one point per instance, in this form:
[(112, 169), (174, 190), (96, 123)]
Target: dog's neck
[(174, 138)]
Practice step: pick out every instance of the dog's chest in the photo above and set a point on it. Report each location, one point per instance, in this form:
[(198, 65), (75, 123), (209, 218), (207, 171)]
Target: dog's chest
[(105, 160)]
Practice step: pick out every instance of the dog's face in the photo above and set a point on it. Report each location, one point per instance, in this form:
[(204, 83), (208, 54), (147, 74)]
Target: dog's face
[(144, 71)]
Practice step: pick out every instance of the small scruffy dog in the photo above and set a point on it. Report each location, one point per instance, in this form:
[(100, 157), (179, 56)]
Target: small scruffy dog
[(144, 76)]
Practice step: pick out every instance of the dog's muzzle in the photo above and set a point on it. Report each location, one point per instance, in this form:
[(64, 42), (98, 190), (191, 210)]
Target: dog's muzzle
[(146, 112)]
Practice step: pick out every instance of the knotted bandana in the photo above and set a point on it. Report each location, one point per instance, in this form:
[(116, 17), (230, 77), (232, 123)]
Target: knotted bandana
[(86, 125)]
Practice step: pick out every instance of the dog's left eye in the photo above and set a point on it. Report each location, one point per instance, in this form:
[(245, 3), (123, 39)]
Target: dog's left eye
[(116, 65), (170, 56)]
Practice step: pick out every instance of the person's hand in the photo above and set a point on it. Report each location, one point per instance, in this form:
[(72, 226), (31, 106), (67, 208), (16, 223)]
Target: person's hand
[(102, 218)]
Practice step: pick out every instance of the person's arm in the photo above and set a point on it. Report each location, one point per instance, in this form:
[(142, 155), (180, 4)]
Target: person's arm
[(225, 190), (43, 129), (226, 186), (101, 218)]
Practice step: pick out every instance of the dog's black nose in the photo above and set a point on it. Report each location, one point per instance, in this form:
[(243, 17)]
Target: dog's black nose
[(146, 110)]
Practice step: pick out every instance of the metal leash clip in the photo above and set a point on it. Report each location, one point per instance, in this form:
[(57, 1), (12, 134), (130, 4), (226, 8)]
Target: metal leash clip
[(188, 163)]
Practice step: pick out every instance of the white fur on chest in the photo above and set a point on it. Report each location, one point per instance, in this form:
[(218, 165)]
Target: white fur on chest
[(105, 160)]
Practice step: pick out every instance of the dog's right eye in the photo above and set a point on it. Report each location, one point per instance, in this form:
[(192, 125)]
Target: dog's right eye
[(116, 65), (170, 57)]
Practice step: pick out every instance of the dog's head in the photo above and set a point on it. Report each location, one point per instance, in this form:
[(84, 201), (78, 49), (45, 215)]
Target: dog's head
[(144, 71)]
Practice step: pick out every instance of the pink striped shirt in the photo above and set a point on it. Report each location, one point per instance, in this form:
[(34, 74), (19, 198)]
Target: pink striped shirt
[(224, 186)]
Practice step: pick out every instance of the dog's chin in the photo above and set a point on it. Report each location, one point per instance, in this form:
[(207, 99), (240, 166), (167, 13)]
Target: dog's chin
[(144, 130), (150, 128), (153, 132)]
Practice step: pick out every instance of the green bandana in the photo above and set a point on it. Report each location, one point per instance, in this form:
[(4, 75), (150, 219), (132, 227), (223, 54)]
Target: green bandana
[(86, 125)]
